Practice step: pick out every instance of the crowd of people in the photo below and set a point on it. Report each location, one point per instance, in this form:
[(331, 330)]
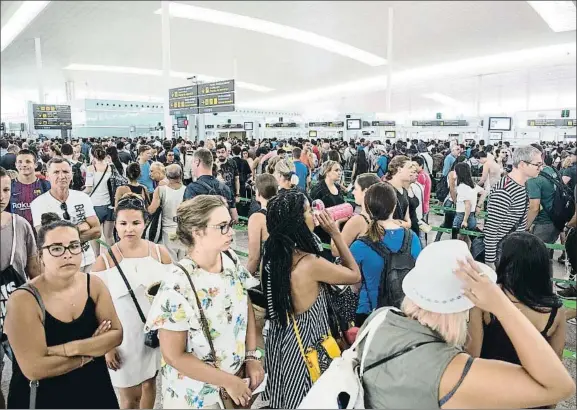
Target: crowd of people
[(122, 252)]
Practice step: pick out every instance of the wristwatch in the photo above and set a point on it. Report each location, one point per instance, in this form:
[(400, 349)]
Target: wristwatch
[(253, 355)]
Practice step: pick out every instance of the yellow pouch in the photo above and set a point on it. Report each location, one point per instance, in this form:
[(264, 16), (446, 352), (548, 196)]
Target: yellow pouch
[(331, 347), (312, 363)]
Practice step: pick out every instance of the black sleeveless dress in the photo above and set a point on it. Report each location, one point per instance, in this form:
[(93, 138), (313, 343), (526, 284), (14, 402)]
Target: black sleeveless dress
[(88, 387)]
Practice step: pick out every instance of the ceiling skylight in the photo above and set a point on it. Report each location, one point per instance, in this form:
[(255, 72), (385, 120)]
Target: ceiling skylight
[(274, 29), (27, 12), (158, 73)]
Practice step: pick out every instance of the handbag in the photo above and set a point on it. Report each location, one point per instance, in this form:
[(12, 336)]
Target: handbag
[(227, 402), (115, 181), (151, 337), (153, 230)]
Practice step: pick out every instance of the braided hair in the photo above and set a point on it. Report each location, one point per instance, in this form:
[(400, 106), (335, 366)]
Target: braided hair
[(288, 231)]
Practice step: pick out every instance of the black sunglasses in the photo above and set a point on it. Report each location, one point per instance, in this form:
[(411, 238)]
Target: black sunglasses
[(64, 207)]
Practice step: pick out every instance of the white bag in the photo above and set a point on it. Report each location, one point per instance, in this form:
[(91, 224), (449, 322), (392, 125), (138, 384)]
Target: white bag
[(342, 382)]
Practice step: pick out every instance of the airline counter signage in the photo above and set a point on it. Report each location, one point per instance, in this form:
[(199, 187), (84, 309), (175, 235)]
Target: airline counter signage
[(183, 100), (541, 122), (441, 123), (281, 125), (383, 123), (329, 124), (229, 126), (366, 124), (52, 117)]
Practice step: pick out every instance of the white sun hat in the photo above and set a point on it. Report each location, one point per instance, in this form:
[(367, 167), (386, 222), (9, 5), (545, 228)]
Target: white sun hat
[(433, 286)]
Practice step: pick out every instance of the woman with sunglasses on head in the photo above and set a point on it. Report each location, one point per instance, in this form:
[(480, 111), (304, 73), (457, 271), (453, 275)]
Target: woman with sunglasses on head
[(60, 325), (132, 173), (205, 319), (133, 366)]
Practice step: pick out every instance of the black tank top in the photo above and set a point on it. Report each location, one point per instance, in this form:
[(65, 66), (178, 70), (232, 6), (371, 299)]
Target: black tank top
[(86, 387), (498, 346)]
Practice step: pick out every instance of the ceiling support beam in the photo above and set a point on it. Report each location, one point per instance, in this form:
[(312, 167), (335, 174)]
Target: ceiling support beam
[(389, 61), (38, 52), (166, 66)]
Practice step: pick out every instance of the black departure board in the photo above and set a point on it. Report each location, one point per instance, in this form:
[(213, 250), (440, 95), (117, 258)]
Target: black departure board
[(329, 124), (217, 87), (52, 117), (229, 126), (205, 98)]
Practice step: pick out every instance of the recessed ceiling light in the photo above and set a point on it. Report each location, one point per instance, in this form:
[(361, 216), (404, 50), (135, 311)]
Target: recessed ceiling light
[(21, 18), (559, 15), (274, 29), (158, 73)]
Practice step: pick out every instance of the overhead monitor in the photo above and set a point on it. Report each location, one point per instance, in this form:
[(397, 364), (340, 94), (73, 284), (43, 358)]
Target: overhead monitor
[(390, 134), (353, 124), (312, 134), (500, 123), (248, 126)]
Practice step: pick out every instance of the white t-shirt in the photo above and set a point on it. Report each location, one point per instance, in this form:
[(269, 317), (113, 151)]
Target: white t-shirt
[(79, 208), (466, 193)]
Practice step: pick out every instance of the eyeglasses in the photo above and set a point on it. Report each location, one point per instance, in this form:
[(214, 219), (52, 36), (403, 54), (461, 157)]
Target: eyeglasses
[(539, 165), (64, 207), (57, 250), (224, 228)]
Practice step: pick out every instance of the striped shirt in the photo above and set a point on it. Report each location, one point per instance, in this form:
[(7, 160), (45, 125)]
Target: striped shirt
[(506, 213)]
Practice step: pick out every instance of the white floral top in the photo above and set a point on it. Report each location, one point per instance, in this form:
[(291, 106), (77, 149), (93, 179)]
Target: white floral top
[(224, 301)]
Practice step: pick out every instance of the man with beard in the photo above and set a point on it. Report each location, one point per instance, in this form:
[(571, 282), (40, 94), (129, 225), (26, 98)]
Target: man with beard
[(229, 171)]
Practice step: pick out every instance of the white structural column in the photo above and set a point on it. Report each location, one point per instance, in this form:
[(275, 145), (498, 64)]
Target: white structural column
[(528, 90), (38, 52), (389, 61), (166, 67), (70, 91), (478, 96)]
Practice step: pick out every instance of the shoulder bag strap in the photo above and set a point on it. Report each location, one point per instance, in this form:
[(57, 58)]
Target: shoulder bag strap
[(203, 320), (13, 251), (299, 340), (130, 291), (204, 184), (98, 184), (406, 240)]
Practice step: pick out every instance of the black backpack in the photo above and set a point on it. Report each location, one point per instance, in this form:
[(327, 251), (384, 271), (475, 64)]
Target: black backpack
[(77, 178), (396, 266), (442, 188), (563, 207)]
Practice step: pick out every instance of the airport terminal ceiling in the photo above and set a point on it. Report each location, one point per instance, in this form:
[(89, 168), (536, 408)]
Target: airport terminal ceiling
[(299, 54)]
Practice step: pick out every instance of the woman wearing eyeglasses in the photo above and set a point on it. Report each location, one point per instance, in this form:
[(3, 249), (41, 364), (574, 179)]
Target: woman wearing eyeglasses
[(209, 348), (59, 326), (133, 366)]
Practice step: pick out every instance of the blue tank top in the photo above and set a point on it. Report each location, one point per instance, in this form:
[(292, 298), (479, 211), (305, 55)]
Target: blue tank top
[(144, 178)]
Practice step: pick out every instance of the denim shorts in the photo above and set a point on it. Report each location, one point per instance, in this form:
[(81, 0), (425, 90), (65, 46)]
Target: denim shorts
[(459, 216), (104, 213)]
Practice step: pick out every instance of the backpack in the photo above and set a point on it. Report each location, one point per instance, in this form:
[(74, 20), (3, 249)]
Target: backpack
[(352, 158), (222, 188), (115, 181), (395, 268), (77, 178), (563, 207), (442, 188)]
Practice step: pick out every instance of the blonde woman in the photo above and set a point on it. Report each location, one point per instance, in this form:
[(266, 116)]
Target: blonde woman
[(205, 319), (430, 333), (284, 172)]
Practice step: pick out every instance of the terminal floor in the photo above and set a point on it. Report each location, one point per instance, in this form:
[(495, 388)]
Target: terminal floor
[(241, 243)]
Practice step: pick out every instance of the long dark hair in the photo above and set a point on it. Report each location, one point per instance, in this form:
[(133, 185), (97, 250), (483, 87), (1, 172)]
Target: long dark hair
[(113, 154), (463, 172), (380, 203), (50, 221), (362, 163), (288, 231), (527, 274)]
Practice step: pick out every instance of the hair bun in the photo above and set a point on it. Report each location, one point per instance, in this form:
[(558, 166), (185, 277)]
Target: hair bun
[(48, 218)]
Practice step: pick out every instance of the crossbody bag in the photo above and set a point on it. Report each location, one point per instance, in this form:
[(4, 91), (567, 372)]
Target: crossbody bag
[(151, 337), (98, 184)]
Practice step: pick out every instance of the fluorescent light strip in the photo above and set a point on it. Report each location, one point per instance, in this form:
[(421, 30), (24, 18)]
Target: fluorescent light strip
[(274, 29), (443, 99), (559, 15), (158, 73), (469, 67), (27, 12)]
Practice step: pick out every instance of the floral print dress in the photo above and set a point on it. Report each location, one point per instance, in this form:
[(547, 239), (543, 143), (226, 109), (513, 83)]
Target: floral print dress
[(225, 303)]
